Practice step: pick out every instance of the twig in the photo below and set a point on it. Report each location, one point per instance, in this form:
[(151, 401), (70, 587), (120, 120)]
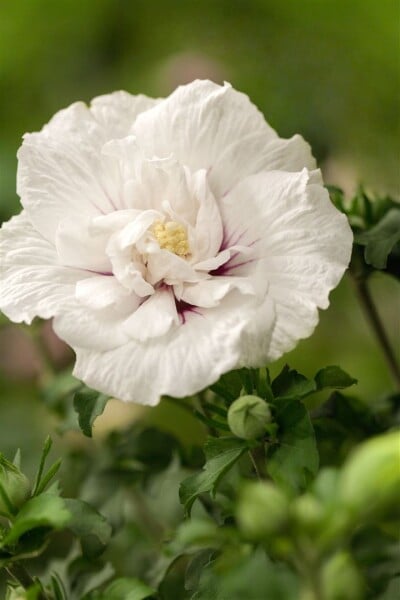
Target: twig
[(373, 318)]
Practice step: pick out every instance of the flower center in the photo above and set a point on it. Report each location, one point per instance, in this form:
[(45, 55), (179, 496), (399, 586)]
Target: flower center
[(171, 236)]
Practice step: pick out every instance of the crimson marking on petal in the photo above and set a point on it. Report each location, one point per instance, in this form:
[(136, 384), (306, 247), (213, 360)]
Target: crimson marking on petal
[(104, 273), (183, 308), (227, 268), (227, 240)]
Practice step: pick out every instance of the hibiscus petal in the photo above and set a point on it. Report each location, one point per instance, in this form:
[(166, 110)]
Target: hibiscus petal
[(78, 245), (100, 291), (98, 330), (154, 317), (198, 122), (210, 292), (60, 178), (304, 247), (62, 171), (117, 112), (254, 153), (32, 283), (185, 360)]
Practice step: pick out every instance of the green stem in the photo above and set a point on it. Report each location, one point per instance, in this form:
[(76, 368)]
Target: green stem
[(373, 318), (202, 401), (257, 457)]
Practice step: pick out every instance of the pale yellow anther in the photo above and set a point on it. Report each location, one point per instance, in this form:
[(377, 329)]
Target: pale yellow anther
[(171, 236)]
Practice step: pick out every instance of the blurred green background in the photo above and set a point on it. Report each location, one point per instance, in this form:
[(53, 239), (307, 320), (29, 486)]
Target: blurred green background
[(328, 69)]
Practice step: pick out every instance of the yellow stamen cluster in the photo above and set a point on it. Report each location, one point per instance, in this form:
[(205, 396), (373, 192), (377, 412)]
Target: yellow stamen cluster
[(171, 236)]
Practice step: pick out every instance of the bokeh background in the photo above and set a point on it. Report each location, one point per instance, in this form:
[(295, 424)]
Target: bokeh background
[(328, 69)]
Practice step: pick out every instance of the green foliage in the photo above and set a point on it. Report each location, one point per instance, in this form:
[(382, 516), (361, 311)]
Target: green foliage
[(381, 240), (89, 404), (125, 589), (376, 225), (293, 460), (221, 454)]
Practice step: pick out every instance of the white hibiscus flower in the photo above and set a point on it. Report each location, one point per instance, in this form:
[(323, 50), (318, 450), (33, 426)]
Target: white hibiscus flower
[(171, 240)]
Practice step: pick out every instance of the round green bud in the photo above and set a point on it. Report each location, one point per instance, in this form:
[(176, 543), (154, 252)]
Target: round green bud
[(340, 578), (248, 416), (308, 513), (14, 487), (370, 480), (262, 510)]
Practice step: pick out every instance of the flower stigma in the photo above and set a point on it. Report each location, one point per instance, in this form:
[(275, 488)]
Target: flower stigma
[(172, 236)]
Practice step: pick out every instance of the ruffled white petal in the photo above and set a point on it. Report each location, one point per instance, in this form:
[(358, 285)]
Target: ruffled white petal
[(78, 245), (97, 329), (209, 293), (303, 245), (60, 178), (32, 282), (197, 122), (153, 318), (117, 112), (255, 153), (100, 292), (62, 171), (182, 362)]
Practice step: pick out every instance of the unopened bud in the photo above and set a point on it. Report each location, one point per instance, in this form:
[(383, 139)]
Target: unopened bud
[(370, 479), (308, 512), (262, 510), (341, 578), (14, 487), (248, 417)]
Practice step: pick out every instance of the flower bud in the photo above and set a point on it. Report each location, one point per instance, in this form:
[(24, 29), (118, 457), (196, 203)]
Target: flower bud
[(248, 416), (370, 479), (262, 510), (340, 577), (308, 513), (14, 487)]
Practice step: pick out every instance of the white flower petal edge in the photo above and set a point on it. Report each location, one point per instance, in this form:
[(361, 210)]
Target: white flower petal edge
[(171, 240), (62, 172), (178, 364), (32, 283), (304, 247)]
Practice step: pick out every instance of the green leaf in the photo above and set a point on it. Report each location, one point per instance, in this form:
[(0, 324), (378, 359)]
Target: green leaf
[(89, 525), (291, 384), (45, 452), (221, 455), (52, 472), (380, 240), (86, 577), (45, 510), (195, 533), (89, 404), (229, 385), (195, 568), (294, 460), (127, 588), (142, 450), (392, 590), (333, 377), (251, 576)]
